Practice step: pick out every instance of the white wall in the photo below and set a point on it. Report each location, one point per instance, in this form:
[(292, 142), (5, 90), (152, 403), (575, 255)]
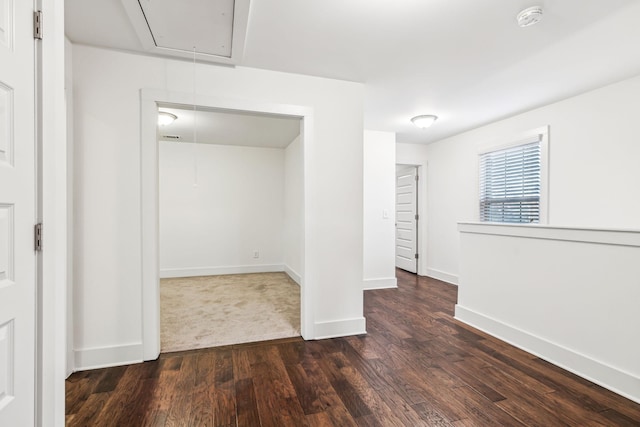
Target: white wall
[(108, 325), (593, 172), (294, 210), (219, 204), (379, 210), (567, 295)]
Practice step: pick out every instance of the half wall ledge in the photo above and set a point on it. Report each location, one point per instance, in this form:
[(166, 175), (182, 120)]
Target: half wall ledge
[(568, 295)]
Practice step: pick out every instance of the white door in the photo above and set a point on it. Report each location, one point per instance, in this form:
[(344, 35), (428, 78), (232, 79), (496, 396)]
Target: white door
[(407, 218), (17, 214)]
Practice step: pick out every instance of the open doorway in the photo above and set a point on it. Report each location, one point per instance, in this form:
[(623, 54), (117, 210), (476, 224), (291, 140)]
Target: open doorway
[(227, 211), (293, 259)]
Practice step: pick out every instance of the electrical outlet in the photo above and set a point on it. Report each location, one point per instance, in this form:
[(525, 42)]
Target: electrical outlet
[(256, 254)]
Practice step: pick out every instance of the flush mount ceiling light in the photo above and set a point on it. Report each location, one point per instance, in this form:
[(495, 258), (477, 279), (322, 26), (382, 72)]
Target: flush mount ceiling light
[(530, 16), (424, 121), (165, 118)]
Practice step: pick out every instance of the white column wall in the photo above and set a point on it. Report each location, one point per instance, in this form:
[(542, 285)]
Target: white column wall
[(107, 306), (379, 210)]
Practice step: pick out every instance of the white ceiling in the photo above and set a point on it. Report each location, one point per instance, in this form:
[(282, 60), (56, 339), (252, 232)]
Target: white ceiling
[(464, 60), (229, 128)]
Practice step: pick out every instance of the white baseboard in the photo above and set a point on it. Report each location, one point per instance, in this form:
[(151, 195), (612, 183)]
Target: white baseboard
[(623, 383), (104, 357), (380, 283), (71, 363), (441, 275), (167, 273), (293, 274), (340, 328)]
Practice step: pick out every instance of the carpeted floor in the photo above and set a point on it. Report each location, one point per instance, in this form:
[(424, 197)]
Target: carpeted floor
[(210, 311)]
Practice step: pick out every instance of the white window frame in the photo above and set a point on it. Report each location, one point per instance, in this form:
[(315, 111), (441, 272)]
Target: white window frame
[(540, 134)]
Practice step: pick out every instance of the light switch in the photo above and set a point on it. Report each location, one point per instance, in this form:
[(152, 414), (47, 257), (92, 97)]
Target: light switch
[(385, 214)]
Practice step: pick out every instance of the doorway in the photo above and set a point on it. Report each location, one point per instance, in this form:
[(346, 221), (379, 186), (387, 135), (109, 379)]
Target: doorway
[(407, 218), (294, 266), (228, 210)]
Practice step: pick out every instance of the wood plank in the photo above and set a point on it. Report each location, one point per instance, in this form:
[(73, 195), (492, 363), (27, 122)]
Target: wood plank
[(90, 410), (246, 404), (135, 411), (163, 392), (110, 379), (469, 378), (430, 415), (180, 409), (320, 419), (384, 405), (202, 401), (224, 403), (127, 387), (275, 395), (241, 364)]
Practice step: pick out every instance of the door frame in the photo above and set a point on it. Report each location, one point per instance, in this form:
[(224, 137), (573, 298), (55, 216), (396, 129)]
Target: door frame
[(421, 194), (413, 169), (150, 276), (55, 197)]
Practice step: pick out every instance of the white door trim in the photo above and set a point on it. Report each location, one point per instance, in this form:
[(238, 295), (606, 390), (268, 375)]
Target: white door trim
[(149, 99), (52, 310)]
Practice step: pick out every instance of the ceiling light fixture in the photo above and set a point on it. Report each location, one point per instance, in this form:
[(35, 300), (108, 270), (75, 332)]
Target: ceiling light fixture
[(424, 121), (530, 16), (165, 118)]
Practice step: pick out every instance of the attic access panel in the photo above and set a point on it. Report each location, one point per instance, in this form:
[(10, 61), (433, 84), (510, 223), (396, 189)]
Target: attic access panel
[(185, 24), (215, 28)]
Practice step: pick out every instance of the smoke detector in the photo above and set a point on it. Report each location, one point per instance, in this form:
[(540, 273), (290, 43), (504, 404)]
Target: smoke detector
[(530, 16)]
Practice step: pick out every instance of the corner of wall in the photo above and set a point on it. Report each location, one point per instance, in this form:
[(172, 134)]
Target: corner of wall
[(442, 276), (294, 275), (104, 357), (379, 283), (340, 328)]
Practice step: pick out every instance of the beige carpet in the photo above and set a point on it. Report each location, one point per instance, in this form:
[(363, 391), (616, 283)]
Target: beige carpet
[(210, 311)]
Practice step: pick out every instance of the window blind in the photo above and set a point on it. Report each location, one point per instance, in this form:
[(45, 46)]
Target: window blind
[(510, 184)]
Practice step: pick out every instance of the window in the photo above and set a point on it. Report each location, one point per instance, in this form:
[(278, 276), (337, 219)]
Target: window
[(512, 181)]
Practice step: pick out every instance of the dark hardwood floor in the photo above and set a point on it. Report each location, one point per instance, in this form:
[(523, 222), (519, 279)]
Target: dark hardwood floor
[(416, 366)]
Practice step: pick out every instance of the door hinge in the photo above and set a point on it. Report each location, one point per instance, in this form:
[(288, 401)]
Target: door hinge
[(417, 177), (417, 217), (37, 239), (417, 256), (37, 25)]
